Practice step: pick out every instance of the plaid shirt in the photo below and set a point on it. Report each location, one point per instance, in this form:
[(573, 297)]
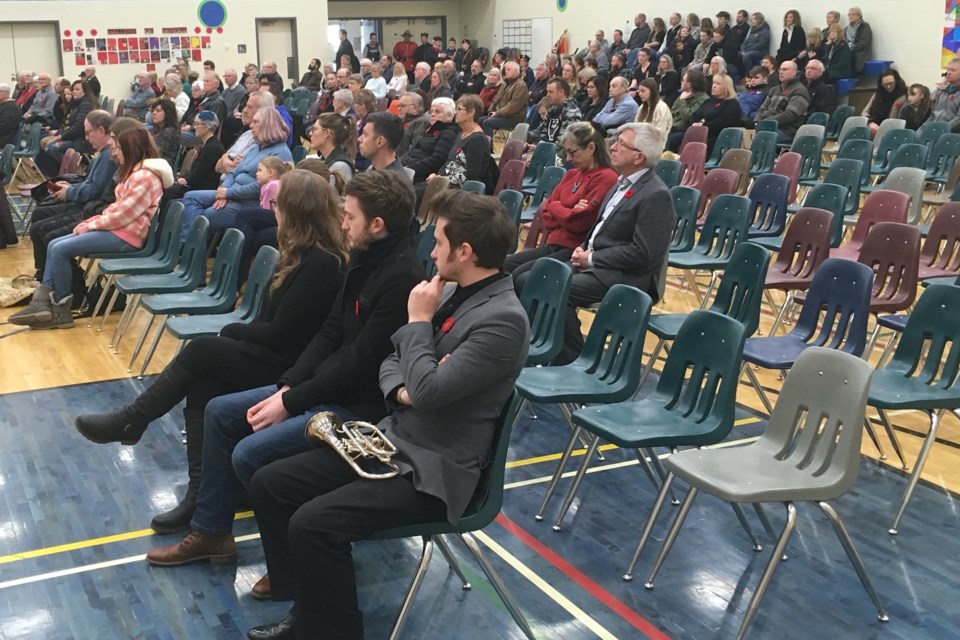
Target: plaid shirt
[(129, 217)]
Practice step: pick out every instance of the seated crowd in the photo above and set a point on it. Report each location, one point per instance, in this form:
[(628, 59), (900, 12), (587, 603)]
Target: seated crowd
[(350, 324)]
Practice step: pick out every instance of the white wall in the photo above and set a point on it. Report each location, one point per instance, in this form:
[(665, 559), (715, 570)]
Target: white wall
[(907, 32), (240, 28)]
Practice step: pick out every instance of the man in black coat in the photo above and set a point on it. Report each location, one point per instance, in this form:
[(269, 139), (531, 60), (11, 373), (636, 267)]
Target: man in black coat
[(337, 372), (346, 49), (426, 51), (823, 98)]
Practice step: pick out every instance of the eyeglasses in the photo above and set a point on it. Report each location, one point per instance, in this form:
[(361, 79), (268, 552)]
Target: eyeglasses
[(571, 152), (620, 143), (459, 108)]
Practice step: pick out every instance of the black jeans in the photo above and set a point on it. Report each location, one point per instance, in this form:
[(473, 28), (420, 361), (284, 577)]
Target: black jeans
[(309, 509), (259, 227), (50, 222)]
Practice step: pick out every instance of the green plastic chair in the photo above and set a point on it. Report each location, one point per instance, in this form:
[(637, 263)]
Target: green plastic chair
[(738, 296), (726, 225), (549, 179), (425, 244), (910, 156), (809, 452), (544, 155), (945, 152), (890, 142), (261, 274), (186, 277), (839, 116), (686, 202), (768, 125), (764, 150), (488, 499), (729, 138), (608, 368), (218, 296), (544, 297), (922, 375), (669, 171), (861, 150), (694, 412), (930, 132), (513, 201), (820, 118), (474, 186)]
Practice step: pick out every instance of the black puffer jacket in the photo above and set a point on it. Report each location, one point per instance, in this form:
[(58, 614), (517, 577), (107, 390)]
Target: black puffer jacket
[(429, 152)]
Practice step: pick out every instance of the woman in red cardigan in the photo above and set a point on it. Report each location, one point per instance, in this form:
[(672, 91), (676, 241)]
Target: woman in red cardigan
[(570, 211)]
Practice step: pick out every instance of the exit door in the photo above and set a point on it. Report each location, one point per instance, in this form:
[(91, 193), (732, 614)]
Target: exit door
[(277, 42)]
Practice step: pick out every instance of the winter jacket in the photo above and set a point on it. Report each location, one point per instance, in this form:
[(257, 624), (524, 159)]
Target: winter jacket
[(137, 198), (566, 226), (241, 183), (429, 152), (511, 100), (787, 104), (757, 40)]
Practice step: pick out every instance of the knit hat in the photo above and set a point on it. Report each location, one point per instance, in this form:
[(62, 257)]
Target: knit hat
[(208, 118)]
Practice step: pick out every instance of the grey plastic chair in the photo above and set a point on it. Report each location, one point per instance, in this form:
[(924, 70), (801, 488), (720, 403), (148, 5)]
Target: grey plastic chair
[(849, 123), (809, 452), (887, 125)]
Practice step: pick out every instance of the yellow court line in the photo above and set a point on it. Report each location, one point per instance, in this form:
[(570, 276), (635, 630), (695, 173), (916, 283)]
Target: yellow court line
[(607, 447), (545, 587), (85, 544)]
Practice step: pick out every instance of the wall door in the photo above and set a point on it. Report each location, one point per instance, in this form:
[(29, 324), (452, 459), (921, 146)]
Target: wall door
[(29, 46), (358, 33), (277, 42)]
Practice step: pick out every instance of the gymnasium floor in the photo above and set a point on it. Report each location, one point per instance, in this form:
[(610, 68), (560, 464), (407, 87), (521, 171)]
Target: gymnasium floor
[(72, 533)]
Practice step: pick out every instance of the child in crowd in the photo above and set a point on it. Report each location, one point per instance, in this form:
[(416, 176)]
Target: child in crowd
[(269, 172)]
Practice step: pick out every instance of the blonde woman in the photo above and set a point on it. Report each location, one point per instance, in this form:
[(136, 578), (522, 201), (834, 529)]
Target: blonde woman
[(398, 83)]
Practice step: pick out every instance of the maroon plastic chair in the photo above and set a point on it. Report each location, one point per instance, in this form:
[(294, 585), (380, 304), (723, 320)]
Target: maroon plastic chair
[(692, 159), (694, 134), (892, 250), (940, 255), (717, 182), (788, 164), (511, 176), (513, 150), (536, 233), (880, 206), (806, 244)]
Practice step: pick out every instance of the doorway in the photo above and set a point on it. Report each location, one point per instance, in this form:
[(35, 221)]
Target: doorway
[(277, 42), (29, 46)]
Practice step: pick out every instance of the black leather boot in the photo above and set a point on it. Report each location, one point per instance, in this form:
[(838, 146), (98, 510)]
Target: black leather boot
[(178, 518), (127, 425)]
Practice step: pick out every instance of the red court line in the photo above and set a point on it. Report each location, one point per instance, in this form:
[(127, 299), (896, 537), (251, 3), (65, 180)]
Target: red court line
[(594, 589)]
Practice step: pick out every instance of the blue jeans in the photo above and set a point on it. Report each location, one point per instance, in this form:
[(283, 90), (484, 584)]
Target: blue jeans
[(233, 452), (751, 59), (197, 203), (56, 150), (57, 272)]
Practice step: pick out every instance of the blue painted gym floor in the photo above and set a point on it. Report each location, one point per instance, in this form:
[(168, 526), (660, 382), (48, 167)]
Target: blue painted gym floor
[(73, 534)]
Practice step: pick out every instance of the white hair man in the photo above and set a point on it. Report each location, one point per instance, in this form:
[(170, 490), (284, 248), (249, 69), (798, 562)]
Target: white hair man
[(233, 90), (41, 109)]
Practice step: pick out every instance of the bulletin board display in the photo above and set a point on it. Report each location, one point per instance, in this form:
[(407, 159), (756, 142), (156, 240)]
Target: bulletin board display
[(138, 46)]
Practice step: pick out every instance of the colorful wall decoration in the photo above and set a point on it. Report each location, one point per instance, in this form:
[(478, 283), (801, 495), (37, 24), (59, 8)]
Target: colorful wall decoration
[(127, 46), (951, 31)]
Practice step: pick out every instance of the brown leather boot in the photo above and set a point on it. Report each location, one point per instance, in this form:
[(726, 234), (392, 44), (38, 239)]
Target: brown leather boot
[(195, 547), (261, 590)]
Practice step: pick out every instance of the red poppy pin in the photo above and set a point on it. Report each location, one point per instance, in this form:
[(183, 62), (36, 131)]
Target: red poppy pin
[(436, 133), (447, 325), (356, 307), (628, 194)]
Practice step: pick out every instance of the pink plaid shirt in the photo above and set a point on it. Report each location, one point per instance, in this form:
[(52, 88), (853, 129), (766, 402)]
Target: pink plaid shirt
[(129, 217)]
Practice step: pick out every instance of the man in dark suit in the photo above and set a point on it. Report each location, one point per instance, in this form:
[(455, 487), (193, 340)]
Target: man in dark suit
[(454, 367), (629, 242)]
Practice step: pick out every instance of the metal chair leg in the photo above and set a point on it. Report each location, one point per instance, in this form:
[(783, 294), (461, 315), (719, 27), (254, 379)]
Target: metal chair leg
[(125, 321), (671, 535), (153, 347), (558, 473), (871, 342), (662, 472), (577, 479), (648, 526), (742, 517), (917, 468), (894, 440), (114, 296), (873, 437), (765, 521), (887, 350), (414, 587), (650, 363), (108, 283), (692, 282), (759, 389), (783, 312), (498, 585), (452, 561), (854, 557), (768, 572), (143, 338)]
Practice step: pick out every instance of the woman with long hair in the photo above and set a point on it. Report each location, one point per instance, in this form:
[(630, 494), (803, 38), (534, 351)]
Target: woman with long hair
[(70, 135), (837, 57), (719, 111), (571, 210), (918, 106), (657, 34), (668, 80), (166, 129), (439, 88), (334, 138), (597, 96), (398, 83), (122, 227), (240, 190), (652, 109), (812, 50), (644, 69), (793, 39), (887, 100), (310, 271)]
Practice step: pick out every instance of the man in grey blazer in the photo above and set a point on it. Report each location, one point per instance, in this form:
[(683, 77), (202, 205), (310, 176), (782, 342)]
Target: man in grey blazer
[(454, 367), (630, 240)]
